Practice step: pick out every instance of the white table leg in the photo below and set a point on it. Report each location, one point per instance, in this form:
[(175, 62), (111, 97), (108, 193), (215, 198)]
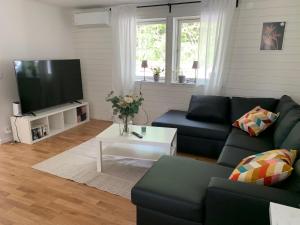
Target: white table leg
[(99, 158), (173, 150)]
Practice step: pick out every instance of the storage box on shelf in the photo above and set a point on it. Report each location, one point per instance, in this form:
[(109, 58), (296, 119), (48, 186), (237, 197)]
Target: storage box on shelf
[(39, 128), (49, 122)]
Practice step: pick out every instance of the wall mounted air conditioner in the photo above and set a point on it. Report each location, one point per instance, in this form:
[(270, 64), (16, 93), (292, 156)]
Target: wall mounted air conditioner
[(101, 18)]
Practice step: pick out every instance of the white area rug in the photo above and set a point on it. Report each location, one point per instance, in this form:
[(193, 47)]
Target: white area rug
[(79, 164)]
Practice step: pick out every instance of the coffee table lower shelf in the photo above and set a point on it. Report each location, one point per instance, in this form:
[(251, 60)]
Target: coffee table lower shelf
[(133, 151)]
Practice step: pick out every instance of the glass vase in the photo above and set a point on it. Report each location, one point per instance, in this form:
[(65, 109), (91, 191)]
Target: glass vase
[(125, 126)]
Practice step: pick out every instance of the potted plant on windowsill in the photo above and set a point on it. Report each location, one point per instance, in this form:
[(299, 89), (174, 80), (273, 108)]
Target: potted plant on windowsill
[(156, 73), (181, 79)]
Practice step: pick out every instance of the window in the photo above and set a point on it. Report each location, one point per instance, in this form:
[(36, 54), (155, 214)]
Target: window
[(187, 48), (151, 46)]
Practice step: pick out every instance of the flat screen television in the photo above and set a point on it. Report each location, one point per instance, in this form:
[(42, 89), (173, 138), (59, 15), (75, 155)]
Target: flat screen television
[(47, 83)]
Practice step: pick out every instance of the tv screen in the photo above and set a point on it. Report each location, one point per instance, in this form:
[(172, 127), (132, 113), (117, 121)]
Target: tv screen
[(46, 83)]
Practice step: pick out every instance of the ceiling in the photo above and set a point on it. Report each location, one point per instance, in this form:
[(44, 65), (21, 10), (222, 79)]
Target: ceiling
[(92, 3)]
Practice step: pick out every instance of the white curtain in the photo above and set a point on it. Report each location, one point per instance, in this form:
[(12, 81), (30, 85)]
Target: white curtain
[(123, 20), (215, 32)]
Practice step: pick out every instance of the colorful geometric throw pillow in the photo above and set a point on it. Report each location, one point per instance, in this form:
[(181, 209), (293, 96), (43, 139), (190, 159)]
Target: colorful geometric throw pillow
[(265, 168), (256, 121)]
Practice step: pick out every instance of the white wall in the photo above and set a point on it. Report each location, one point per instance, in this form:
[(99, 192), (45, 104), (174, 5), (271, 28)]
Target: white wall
[(94, 48), (265, 73), (29, 30)]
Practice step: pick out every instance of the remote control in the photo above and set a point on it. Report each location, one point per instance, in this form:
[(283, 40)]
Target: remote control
[(137, 135)]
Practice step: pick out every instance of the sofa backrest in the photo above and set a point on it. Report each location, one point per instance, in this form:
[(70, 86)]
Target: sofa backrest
[(285, 126), (292, 141), (240, 106), (286, 103), (287, 136)]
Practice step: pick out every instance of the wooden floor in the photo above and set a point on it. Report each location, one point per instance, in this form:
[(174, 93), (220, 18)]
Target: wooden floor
[(28, 196)]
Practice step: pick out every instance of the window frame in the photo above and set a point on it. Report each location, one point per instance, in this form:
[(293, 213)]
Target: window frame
[(178, 21), (182, 11), (147, 22)]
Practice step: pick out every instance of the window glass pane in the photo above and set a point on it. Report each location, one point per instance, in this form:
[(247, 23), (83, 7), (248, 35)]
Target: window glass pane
[(188, 46), (151, 46)]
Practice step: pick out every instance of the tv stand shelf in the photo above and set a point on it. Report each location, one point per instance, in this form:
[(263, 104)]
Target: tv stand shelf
[(49, 122)]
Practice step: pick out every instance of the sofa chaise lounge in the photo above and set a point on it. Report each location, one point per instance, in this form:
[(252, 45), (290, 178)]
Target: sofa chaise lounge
[(182, 191)]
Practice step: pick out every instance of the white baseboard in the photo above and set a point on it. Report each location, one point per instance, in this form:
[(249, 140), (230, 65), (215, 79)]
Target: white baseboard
[(6, 139)]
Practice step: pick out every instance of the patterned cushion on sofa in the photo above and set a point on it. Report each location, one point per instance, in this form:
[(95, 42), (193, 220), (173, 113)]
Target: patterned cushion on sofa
[(256, 121), (265, 168)]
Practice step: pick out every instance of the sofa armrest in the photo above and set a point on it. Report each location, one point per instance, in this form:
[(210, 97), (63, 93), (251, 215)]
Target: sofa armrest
[(236, 203)]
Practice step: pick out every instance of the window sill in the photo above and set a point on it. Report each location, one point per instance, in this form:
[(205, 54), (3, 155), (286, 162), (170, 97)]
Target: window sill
[(186, 83), (151, 81), (162, 82)]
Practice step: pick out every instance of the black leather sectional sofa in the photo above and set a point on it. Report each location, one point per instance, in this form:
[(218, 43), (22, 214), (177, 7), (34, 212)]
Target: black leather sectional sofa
[(182, 191)]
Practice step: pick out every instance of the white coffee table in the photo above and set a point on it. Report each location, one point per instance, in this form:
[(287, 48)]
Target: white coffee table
[(284, 215), (156, 142)]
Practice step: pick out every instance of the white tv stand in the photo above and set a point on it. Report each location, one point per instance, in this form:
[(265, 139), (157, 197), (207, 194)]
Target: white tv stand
[(49, 122)]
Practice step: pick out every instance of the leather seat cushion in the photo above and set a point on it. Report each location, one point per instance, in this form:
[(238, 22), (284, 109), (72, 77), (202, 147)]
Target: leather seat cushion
[(241, 139), (231, 156), (187, 127), (177, 186)]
